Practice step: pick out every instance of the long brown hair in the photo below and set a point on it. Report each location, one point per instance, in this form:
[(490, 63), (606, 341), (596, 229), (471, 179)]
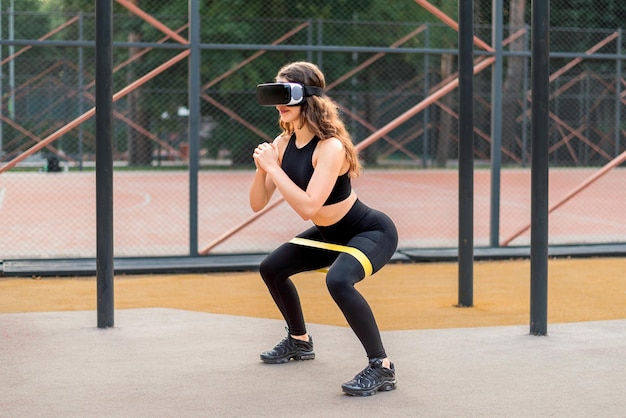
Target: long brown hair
[(320, 114)]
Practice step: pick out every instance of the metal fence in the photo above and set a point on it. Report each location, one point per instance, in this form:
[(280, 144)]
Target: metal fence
[(378, 70)]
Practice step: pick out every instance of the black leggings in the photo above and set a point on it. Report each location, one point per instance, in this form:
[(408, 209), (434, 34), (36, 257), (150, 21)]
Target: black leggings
[(364, 228)]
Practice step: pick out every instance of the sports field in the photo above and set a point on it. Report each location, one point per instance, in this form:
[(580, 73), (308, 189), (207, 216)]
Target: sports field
[(54, 215)]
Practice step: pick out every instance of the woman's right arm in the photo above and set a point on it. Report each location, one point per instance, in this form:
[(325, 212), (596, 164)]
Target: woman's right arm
[(261, 190)]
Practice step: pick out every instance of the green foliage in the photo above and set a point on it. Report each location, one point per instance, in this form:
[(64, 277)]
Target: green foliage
[(321, 9), (331, 22), (610, 14)]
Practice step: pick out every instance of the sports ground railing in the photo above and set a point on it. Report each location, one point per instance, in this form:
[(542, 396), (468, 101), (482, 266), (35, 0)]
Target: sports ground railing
[(395, 82)]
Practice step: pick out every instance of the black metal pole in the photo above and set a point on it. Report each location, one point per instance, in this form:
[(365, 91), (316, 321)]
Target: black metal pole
[(466, 153), (539, 176), (497, 20), (194, 122), (104, 162)]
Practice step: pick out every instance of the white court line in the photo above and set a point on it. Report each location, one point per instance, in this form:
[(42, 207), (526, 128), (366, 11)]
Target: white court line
[(147, 198), (1, 196)]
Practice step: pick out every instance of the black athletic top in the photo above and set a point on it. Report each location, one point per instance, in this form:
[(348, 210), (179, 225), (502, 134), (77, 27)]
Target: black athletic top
[(298, 164)]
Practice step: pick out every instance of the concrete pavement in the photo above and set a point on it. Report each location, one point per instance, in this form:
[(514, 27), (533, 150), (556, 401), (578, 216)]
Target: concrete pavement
[(174, 363)]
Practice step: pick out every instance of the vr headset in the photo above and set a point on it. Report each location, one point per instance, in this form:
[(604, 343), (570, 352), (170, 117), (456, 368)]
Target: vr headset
[(289, 94)]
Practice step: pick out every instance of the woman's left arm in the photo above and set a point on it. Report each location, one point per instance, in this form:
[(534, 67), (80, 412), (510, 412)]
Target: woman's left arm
[(307, 203)]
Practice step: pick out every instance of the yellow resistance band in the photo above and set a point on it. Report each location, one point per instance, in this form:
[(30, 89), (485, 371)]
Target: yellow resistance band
[(354, 252)]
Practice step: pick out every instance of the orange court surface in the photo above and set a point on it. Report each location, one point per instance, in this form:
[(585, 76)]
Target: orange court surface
[(403, 296)]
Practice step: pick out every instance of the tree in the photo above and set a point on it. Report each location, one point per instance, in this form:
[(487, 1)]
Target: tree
[(513, 81), (341, 22), (447, 127), (139, 146), (586, 14)]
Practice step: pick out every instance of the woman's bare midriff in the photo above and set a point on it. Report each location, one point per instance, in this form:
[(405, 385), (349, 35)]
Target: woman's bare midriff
[(331, 214)]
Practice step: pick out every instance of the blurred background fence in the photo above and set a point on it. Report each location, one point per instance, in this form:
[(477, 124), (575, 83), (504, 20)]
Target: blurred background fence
[(380, 59)]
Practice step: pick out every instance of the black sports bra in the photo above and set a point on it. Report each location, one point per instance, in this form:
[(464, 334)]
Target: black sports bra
[(298, 164)]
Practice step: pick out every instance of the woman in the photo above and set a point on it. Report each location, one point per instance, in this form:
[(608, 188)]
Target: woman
[(311, 164)]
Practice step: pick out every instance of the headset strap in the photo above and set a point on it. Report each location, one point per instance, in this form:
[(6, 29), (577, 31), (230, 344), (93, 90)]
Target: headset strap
[(313, 91)]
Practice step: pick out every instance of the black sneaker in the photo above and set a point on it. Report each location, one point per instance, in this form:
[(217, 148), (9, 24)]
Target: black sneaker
[(289, 348), (373, 378)]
